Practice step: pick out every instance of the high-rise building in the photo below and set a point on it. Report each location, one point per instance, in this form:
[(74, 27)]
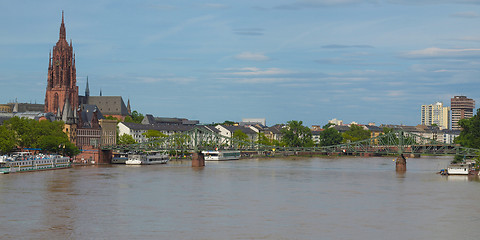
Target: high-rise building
[(436, 114), (462, 107), (61, 80)]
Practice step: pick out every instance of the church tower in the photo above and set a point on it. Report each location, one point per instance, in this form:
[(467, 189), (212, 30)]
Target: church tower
[(61, 79)]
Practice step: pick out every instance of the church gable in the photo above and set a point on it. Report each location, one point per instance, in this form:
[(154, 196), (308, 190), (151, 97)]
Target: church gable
[(109, 105)]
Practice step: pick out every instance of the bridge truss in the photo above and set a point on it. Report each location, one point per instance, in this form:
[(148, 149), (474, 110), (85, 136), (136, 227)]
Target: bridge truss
[(394, 142)]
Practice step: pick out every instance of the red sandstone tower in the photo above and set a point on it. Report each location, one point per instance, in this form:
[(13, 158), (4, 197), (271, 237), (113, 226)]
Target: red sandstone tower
[(62, 80)]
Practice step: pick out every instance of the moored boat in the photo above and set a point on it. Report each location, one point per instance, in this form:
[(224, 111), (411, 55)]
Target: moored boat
[(26, 161), (460, 168), (119, 158), (147, 158), (221, 155)]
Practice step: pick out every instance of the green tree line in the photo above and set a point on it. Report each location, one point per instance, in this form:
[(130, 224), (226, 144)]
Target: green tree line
[(29, 133)]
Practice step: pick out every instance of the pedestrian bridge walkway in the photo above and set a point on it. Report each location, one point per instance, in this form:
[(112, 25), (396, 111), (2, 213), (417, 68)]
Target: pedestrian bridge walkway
[(395, 142)]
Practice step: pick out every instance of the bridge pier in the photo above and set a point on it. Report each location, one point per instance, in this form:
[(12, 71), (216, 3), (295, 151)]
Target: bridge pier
[(198, 159), (401, 164)]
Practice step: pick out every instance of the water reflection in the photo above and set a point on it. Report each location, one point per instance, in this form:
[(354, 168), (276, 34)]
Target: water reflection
[(58, 206)]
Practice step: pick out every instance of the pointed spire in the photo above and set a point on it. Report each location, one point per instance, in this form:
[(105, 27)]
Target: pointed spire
[(15, 107), (100, 92), (67, 114), (87, 89), (63, 34), (50, 59), (75, 116), (129, 110), (58, 116)]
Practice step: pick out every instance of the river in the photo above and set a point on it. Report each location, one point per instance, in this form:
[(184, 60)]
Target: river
[(306, 198)]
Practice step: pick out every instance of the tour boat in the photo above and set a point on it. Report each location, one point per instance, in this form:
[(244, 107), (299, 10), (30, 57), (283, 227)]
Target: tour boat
[(459, 169), (26, 161), (119, 158), (147, 158), (221, 155)]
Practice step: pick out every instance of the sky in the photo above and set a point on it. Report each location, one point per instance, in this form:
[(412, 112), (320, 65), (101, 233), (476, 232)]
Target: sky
[(307, 60)]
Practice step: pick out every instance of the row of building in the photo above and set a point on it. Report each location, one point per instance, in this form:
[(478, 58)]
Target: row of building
[(171, 126), (448, 117)]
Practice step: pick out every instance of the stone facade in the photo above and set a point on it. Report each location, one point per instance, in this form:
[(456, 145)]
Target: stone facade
[(61, 79)]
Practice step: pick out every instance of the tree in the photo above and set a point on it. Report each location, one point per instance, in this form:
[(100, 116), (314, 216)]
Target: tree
[(330, 136), (296, 135), (135, 117), (239, 135), (470, 134), (228, 123), (48, 136), (262, 139), (356, 133), (113, 118), (7, 140), (125, 139), (152, 134)]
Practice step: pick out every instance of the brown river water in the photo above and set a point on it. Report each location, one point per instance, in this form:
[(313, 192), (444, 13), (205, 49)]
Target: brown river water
[(306, 198)]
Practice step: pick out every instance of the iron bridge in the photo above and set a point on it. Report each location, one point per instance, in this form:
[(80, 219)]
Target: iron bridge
[(394, 142)]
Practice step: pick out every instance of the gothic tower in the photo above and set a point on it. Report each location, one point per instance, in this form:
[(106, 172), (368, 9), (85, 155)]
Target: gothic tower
[(61, 79)]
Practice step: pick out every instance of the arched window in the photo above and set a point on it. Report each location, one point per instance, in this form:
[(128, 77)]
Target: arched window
[(55, 102)]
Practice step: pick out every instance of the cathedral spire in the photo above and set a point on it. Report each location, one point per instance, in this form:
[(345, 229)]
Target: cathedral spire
[(63, 34), (129, 110), (87, 89), (50, 60)]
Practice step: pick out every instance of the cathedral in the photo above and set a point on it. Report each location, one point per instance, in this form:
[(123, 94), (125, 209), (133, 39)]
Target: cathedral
[(85, 124), (62, 76)]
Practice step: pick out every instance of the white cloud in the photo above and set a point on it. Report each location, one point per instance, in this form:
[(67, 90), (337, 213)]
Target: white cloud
[(253, 71), (251, 56), (263, 80), (396, 93), (434, 52), (465, 15)]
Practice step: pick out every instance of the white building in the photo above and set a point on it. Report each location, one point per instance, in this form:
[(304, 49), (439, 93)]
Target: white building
[(336, 122), (137, 130), (253, 121), (228, 131), (435, 114)]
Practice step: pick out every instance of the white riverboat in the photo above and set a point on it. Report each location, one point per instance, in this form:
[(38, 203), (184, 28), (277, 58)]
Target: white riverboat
[(221, 155), (26, 161), (459, 169), (147, 158)]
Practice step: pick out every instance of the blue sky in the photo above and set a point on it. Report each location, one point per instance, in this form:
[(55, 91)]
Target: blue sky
[(310, 60)]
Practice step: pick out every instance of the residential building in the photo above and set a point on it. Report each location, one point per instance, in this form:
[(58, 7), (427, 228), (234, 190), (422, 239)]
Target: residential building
[(336, 122), (274, 132), (150, 119), (435, 114), (253, 121), (109, 132), (316, 137), (462, 107), (138, 130), (228, 131), (374, 130)]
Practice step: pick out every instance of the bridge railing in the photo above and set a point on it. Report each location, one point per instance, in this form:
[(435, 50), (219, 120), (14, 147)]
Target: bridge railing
[(394, 142)]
